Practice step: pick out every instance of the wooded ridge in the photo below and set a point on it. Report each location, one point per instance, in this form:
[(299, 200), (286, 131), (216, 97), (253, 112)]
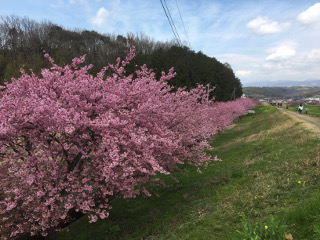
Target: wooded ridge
[(22, 42)]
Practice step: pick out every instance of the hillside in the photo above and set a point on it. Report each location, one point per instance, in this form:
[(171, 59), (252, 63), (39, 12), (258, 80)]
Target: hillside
[(281, 92), (266, 187), (23, 41)]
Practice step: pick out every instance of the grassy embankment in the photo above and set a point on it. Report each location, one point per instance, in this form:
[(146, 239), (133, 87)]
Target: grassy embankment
[(266, 185)]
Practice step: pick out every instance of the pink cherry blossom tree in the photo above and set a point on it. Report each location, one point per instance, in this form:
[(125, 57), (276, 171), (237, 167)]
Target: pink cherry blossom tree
[(71, 142)]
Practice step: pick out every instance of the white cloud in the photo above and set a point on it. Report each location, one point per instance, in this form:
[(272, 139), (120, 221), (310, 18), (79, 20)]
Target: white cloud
[(67, 3), (314, 54), (281, 53), (246, 67), (243, 73), (57, 4), (304, 65), (101, 17), (263, 26), (311, 15)]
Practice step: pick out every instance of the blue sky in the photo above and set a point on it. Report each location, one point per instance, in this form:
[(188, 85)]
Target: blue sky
[(262, 40)]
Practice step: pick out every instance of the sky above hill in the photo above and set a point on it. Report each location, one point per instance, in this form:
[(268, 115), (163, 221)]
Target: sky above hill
[(262, 40)]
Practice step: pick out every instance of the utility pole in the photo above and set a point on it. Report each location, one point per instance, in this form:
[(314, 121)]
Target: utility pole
[(233, 94)]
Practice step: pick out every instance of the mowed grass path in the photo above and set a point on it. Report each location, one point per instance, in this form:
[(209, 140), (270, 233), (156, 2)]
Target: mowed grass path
[(266, 185)]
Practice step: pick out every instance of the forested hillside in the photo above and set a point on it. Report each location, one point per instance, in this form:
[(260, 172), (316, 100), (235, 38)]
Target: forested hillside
[(22, 42)]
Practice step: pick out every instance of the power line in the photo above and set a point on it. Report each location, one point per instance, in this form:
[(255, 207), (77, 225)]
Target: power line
[(165, 3), (171, 22), (183, 24)]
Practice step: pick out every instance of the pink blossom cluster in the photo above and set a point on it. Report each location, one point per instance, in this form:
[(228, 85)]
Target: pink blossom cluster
[(226, 113), (71, 141)]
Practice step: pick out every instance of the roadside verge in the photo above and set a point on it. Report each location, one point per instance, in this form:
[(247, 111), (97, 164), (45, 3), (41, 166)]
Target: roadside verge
[(308, 122)]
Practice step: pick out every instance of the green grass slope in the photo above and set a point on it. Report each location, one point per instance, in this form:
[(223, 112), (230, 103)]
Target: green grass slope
[(266, 187)]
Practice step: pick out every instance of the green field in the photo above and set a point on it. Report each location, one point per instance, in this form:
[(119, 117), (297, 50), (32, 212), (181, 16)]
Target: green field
[(267, 185), (312, 109)]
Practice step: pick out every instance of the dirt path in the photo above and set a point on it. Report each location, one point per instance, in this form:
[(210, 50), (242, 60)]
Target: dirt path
[(309, 122)]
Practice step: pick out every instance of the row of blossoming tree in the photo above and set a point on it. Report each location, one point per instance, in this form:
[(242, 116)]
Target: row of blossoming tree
[(71, 142)]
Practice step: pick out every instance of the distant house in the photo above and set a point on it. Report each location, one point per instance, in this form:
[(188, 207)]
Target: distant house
[(313, 99)]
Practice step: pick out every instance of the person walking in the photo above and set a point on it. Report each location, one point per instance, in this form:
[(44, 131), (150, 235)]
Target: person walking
[(300, 108), (307, 110)]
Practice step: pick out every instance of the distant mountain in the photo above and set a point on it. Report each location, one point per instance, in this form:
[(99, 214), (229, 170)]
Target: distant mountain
[(282, 92), (307, 83)]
